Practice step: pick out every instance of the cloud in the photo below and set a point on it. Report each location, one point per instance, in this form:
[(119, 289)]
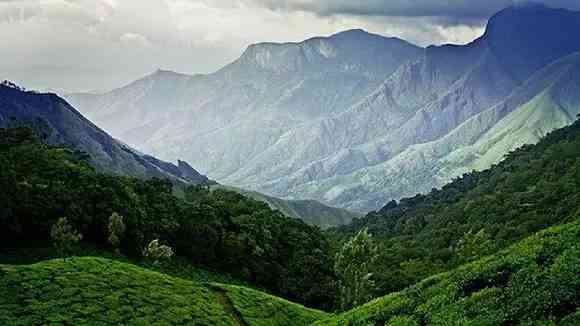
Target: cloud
[(103, 44), (456, 9)]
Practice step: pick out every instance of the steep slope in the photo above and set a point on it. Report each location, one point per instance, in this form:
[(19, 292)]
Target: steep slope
[(310, 211), (547, 101), (321, 120), (62, 124), (533, 282), (222, 120), (101, 291), (535, 187)]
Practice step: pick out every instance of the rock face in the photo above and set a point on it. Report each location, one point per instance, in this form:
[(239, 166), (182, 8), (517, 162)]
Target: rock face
[(62, 124), (356, 119)]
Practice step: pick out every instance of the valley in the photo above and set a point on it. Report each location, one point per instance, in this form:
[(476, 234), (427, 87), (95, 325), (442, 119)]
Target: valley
[(350, 179)]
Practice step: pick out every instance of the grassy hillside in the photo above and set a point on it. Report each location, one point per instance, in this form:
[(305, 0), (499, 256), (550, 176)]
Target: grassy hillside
[(107, 292), (309, 211), (535, 282), (536, 187)]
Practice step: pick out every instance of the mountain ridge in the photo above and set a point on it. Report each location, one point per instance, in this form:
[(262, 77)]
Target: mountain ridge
[(290, 131), (61, 123)]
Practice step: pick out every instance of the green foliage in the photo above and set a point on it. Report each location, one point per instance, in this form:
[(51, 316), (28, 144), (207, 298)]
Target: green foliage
[(473, 245), (116, 230), (353, 268), (217, 229), (536, 187), (65, 237), (97, 291), (157, 252), (534, 282)]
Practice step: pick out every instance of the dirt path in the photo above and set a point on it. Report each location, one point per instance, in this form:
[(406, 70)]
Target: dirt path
[(228, 305)]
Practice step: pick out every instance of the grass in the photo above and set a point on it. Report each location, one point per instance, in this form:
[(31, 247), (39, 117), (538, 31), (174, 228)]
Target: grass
[(100, 291), (535, 282)]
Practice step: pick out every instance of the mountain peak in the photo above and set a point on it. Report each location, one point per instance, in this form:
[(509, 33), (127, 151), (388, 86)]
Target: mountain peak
[(9, 84), (527, 36), (354, 31)]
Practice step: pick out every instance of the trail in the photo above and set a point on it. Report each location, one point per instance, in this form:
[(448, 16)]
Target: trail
[(228, 305)]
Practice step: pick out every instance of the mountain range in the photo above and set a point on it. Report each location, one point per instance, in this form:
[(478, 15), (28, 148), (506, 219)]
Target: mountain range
[(355, 119), (61, 124)]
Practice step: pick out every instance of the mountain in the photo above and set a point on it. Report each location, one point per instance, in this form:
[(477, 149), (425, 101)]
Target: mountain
[(224, 120), (548, 100), (349, 120), (310, 211), (103, 291), (535, 187), (62, 124), (533, 282)]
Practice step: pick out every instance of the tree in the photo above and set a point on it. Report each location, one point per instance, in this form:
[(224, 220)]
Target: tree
[(353, 267), (65, 237), (157, 252), (116, 230), (474, 245)]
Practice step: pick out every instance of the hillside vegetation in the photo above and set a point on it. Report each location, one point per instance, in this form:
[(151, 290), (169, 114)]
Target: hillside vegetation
[(537, 186), (218, 229), (99, 291), (534, 282)]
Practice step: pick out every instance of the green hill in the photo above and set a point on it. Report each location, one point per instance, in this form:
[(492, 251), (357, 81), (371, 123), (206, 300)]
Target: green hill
[(535, 187), (535, 282), (99, 291)]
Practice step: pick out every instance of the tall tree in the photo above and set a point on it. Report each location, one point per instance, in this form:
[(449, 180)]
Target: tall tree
[(353, 267), (116, 230), (65, 237)]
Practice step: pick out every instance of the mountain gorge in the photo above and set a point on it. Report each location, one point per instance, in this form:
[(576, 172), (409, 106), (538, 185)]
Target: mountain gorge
[(355, 119)]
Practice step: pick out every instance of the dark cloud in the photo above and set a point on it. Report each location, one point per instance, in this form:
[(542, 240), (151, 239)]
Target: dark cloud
[(470, 10), (100, 44)]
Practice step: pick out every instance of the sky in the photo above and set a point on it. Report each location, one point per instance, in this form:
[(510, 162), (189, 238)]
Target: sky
[(97, 45)]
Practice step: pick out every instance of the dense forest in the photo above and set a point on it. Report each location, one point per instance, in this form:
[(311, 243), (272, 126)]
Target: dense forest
[(219, 229), (535, 187)]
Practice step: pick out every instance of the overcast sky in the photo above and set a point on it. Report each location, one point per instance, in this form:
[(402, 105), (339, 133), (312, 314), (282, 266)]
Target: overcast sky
[(76, 45)]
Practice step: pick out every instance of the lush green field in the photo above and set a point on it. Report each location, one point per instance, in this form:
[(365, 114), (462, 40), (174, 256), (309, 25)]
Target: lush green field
[(535, 282), (100, 291)]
